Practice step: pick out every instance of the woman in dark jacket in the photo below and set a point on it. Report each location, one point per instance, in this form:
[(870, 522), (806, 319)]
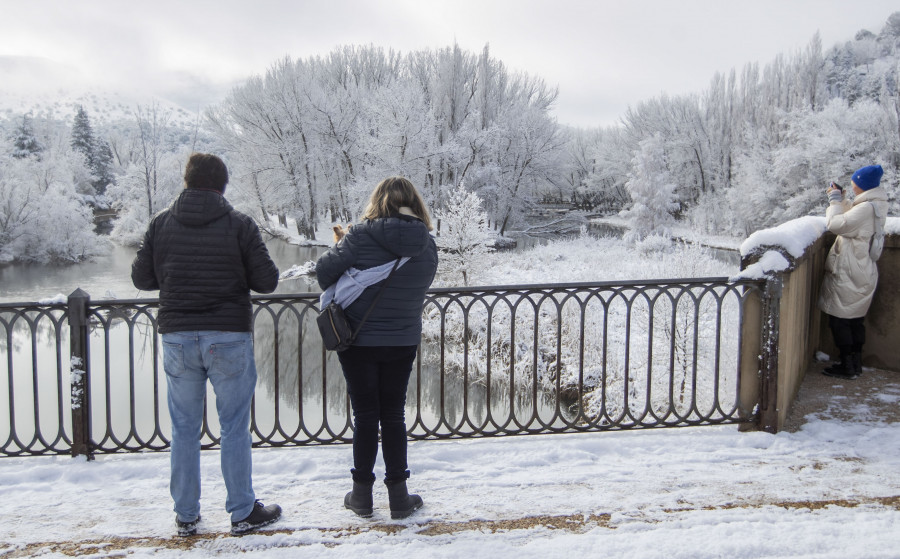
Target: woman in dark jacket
[(377, 366)]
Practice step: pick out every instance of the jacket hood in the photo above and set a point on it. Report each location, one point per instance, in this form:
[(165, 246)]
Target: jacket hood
[(402, 235), (199, 207), (876, 194)]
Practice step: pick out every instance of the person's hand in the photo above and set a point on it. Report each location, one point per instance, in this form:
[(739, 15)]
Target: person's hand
[(834, 194)]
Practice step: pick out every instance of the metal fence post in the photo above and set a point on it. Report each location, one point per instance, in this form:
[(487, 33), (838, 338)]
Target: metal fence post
[(768, 387), (80, 369)]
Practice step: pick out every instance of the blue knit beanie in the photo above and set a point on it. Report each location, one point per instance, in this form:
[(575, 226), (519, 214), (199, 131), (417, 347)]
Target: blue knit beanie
[(869, 177)]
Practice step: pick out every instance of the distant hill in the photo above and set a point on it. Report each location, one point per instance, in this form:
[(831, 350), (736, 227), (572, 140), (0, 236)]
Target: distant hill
[(42, 86)]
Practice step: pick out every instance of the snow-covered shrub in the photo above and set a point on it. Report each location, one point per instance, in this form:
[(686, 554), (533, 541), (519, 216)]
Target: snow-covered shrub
[(652, 244)]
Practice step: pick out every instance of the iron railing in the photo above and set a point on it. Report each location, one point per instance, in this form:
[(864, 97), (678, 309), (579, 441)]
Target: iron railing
[(86, 376)]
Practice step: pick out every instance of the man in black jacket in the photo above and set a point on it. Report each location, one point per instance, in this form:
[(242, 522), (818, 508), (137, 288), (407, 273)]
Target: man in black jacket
[(204, 257)]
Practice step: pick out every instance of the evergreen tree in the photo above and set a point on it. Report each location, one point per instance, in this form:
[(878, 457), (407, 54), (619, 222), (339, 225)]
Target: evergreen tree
[(83, 135), (25, 143), (102, 167), (96, 151)]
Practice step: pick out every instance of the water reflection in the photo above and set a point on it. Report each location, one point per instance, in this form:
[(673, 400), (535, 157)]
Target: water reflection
[(303, 381)]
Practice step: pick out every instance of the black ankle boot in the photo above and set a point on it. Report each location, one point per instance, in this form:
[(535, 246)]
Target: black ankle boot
[(842, 369), (856, 364), (360, 499), (402, 503)]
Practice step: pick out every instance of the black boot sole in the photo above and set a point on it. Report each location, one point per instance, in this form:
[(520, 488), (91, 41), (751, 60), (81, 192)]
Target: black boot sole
[(244, 528), (365, 513), (840, 375)]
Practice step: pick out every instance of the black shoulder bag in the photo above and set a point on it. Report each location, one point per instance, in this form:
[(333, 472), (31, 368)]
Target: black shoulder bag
[(334, 326)]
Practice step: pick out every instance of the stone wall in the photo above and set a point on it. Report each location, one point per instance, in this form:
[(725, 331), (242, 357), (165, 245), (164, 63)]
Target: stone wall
[(802, 329)]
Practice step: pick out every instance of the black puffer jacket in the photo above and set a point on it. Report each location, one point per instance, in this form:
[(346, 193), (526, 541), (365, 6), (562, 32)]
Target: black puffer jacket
[(204, 257), (397, 318)]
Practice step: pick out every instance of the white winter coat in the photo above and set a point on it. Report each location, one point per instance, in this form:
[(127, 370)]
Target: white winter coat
[(850, 273)]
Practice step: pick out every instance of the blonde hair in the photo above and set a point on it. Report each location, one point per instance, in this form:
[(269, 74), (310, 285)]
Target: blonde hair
[(393, 193)]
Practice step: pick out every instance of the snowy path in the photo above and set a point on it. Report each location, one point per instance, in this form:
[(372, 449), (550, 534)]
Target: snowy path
[(831, 489), (702, 535)]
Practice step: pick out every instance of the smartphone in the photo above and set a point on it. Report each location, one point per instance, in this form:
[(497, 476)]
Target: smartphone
[(836, 185)]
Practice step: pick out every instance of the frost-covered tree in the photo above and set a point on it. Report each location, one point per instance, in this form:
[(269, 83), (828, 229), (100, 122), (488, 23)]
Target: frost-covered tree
[(525, 152), (19, 210), (151, 122), (826, 145), (463, 233), (42, 217), (153, 176), (267, 125), (752, 149), (652, 192), (605, 183), (315, 135), (134, 200)]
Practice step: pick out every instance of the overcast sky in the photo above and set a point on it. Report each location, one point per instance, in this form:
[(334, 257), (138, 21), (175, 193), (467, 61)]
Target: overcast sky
[(603, 55)]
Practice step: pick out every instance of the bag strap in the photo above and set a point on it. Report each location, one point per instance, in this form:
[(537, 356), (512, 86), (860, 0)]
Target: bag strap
[(375, 301), (876, 241)]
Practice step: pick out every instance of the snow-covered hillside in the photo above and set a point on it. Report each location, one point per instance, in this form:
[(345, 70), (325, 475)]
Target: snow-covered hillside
[(43, 87)]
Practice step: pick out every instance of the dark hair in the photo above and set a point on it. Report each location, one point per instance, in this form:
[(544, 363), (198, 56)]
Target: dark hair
[(393, 193), (206, 171)]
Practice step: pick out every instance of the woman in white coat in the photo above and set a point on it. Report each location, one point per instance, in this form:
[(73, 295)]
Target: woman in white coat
[(850, 270)]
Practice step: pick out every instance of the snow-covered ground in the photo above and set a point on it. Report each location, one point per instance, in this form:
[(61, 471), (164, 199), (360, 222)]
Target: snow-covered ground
[(828, 490)]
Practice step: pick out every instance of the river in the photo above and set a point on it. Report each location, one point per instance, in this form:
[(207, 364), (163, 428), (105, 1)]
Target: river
[(109, 276)]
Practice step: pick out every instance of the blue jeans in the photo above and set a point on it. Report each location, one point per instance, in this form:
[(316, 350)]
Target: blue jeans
[(226, 359), (377, 378)]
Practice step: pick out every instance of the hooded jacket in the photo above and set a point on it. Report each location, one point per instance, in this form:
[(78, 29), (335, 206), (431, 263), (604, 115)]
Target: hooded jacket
[(204, 257), (850, 273), (396, 319)]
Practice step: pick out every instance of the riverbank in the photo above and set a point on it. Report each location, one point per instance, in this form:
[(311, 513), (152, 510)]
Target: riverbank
[(679, 232), (583, 258)]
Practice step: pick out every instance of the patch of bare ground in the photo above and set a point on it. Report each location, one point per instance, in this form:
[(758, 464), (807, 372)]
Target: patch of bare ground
[(573, 523), (888, 502), (576, 523)]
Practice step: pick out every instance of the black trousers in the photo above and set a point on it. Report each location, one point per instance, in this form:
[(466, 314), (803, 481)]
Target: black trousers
[(377, 378), (849, 333)]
